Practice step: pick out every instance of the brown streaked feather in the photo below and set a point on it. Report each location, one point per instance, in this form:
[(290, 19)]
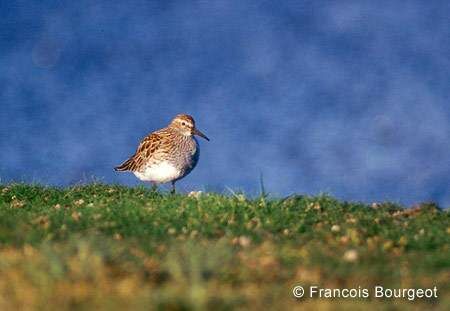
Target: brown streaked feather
[(146, 149)]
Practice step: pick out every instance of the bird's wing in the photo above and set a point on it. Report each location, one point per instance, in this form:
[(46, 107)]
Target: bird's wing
[(148, 146)]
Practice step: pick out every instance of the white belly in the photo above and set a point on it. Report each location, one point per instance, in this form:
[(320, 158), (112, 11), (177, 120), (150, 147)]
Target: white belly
[(159, 173)]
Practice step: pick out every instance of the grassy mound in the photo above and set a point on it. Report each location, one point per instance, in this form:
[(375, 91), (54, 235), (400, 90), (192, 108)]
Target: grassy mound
[(113, 247)]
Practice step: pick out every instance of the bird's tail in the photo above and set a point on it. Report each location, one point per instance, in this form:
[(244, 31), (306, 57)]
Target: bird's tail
[(125, 166)]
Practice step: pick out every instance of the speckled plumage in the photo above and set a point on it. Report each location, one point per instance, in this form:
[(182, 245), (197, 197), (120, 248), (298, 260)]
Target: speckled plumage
[(168, 154)]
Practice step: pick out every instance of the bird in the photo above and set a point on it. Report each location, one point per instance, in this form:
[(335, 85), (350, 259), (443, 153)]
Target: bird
[(168, 154)]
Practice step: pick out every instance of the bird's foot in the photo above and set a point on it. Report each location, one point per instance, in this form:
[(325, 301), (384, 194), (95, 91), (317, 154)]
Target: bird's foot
[(154, 187)]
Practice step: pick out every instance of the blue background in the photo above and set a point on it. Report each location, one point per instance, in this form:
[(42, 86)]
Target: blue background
[(348, 98)]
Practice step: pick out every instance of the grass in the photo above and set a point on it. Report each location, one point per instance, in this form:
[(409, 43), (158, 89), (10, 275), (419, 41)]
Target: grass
[(112, 247)]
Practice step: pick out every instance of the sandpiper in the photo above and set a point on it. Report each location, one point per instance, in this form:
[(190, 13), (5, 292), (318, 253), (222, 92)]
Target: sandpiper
[(168, 154)]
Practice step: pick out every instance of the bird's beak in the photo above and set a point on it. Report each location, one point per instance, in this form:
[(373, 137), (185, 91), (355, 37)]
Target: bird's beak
[(198, 133)]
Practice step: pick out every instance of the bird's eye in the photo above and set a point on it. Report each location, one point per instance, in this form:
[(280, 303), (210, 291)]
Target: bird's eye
[(183, 123)]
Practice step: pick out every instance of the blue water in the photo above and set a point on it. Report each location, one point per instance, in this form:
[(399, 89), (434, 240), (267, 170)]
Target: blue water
[(348, 98)]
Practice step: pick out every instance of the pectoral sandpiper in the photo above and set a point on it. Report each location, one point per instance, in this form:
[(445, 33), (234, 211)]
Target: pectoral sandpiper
[(168, 154)]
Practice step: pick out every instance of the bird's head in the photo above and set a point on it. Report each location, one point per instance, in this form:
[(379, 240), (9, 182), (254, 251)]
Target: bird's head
[(185, 124)]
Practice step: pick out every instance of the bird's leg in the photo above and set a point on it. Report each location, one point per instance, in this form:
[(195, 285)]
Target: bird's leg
[(173, 187), (154, 186)]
